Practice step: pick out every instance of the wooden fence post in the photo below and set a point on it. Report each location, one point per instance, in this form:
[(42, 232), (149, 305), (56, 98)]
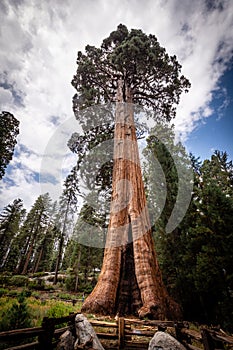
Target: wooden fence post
[(71, 323), (207, 340), (179, 335), (45, 339), (121, 333)]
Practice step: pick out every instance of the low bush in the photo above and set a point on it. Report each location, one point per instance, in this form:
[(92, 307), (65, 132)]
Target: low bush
[(18, 281), (49, 288), (70, 283), (37, 308), (27, 293), (35, 295), (59, 310), (37, 284), (64, 296), (13, 293), (88, 289), (17, 316), (4, 280), (3, 292)]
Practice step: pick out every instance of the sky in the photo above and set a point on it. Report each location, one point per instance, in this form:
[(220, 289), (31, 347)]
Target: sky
[(39, 41)]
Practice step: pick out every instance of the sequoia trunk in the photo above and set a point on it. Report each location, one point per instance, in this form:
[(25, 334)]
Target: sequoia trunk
[(130, 281)]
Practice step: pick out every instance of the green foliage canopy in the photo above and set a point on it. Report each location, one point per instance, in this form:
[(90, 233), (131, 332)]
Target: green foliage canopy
[(9, 129), (153, 76)]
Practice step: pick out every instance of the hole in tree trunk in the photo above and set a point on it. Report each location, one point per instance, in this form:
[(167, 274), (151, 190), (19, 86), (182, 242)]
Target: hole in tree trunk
[(128, 300)]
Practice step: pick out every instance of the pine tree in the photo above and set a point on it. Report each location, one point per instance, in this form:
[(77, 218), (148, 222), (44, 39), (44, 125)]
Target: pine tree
[(9, 129), (31, 232), (10, 220), (43, 258), (164, 157), (213, 274), (201, 251), (64, 219), (80, 256)]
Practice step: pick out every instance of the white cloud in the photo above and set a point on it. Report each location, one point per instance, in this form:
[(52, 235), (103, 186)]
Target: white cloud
[(210, 49), (39, 42), (5, 97)]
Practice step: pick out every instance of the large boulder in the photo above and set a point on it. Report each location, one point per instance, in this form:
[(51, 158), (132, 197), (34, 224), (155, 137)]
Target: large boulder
[(164, 341), (86, 336)]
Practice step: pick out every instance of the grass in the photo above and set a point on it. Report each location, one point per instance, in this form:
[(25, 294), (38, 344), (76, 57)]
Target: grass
[(49, 308), (5, 304), (39, 307)]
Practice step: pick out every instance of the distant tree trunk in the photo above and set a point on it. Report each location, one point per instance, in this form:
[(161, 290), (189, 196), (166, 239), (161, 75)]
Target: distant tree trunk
[(23, 253), (130, 281), (31, 245), (59, 257), (28, 257), (37, 262), (5, 257), (41, 254), (61, 243), (76, 269)]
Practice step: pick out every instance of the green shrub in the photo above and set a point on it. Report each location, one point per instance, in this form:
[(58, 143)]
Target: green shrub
[(70, 283), (17, 316), (59, 310), (88, 289), (49, 288), (37, 284), (3, 292), (27, 293), (4, 279), (13, 293), (18, 281), (35, 295), (64, 296)]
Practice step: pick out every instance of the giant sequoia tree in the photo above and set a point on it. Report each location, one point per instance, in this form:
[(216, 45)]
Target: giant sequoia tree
[(129, 68)]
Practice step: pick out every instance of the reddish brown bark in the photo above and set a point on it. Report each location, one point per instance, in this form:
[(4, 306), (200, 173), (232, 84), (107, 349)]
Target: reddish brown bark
[(130, 281)]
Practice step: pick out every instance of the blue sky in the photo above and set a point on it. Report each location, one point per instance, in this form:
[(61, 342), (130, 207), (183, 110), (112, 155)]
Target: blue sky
[(216, 131), (39, 41)]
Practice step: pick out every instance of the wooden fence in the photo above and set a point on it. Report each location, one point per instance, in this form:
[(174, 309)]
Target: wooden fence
[(47, 334), (123, 334)]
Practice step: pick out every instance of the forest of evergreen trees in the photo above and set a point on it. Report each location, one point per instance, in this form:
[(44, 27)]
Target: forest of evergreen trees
[(195, 259)]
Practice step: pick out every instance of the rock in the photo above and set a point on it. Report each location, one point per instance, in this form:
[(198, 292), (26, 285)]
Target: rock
[(164, 341), (86, 336), (66, 341)]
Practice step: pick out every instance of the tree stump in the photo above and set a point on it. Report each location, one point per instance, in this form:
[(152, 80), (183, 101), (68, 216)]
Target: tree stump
[(66, 341)]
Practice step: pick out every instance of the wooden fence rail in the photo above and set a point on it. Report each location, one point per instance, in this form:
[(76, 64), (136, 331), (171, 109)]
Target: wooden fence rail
[(123, 334), (47, 334)]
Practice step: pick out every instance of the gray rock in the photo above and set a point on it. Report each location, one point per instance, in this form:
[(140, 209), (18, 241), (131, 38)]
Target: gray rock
[(85, 334), (164, 341)]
